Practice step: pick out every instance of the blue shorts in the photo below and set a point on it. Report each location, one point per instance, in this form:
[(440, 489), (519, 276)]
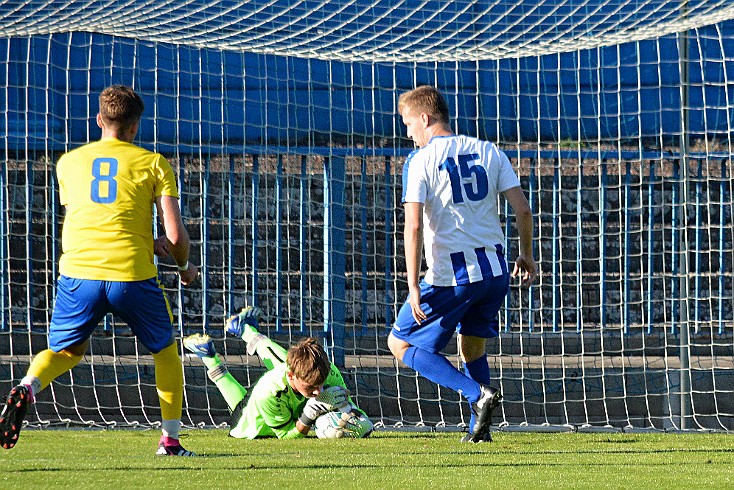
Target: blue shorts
[(469, 309), (82, 303)]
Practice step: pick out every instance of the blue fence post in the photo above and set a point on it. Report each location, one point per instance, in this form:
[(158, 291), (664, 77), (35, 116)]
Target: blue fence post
[(334, 258), (675, 224), (699, 239), (579, 245), (255, 185), (723, 199), (364, 237), (303, 239), (650, 246), (556, 240), (182, 205), (55, 243), (205, 243), (534, 187), (603, 244), (627, 244), (29, 242), (231, 199), (389, 214), (279, 243)]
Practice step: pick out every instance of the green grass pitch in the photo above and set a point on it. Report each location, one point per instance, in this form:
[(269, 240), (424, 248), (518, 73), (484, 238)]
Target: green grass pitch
[(122, 459)]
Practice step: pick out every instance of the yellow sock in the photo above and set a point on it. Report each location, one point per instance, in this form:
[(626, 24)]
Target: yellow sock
[(48, 365), (169, 382)]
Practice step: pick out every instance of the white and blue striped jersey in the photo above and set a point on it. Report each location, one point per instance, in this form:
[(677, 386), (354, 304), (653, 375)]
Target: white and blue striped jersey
[(458, 180)]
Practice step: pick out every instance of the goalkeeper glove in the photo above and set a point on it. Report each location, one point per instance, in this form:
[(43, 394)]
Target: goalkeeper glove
[(336, 396), (357, 425), (313, 409), (332, 398)]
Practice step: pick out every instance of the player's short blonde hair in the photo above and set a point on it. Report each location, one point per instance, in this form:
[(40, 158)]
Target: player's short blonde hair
[(308, 362), (120, 107), (425, 99)]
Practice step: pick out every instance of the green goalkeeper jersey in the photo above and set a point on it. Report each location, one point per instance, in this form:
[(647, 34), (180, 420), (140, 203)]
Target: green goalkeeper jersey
[(274, 407)]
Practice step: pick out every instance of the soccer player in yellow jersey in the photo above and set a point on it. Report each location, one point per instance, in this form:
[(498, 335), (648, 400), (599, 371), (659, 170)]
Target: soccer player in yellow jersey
[(109, 188)]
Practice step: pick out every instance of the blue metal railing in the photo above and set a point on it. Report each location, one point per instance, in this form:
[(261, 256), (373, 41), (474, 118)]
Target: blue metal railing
[(335, 247)]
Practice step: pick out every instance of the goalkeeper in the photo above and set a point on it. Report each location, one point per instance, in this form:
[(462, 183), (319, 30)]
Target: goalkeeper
[(299, 386)]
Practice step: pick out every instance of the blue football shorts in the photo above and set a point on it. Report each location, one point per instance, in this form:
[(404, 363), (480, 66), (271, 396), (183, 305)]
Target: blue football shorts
[(469, 309), (82, 303)]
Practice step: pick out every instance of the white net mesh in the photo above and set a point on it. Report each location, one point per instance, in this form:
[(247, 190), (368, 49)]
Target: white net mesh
[(363, 30), (279, 120)]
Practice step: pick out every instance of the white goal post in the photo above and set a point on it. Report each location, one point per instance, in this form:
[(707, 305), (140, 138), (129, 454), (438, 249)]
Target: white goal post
[(279, 119)]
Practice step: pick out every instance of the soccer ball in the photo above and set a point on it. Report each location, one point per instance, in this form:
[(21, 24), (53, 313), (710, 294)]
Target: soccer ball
[(331, 425), (334, 425)]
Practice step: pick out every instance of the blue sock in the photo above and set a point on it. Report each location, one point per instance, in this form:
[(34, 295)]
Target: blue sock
[(478, 370), (438, 369)]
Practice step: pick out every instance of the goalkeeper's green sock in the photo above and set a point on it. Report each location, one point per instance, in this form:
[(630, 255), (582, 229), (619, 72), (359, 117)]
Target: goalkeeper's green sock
[(270, 353), (231, 390)]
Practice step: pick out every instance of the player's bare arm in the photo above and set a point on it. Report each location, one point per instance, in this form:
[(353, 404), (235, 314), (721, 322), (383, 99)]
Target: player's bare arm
[(177, 238), (160, 247), (525, 265), (413, 254)]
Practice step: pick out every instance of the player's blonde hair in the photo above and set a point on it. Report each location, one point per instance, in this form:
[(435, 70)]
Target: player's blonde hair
[(120, 107), (425, 99), (308, 362)]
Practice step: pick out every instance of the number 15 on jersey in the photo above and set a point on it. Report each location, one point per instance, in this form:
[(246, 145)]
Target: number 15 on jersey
[(475, 190)]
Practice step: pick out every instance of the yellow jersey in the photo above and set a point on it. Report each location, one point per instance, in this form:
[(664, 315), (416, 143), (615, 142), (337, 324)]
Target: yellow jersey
[(109, 189)]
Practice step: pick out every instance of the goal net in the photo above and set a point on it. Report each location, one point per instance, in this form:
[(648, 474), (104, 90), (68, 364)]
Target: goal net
[(279, 120)]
